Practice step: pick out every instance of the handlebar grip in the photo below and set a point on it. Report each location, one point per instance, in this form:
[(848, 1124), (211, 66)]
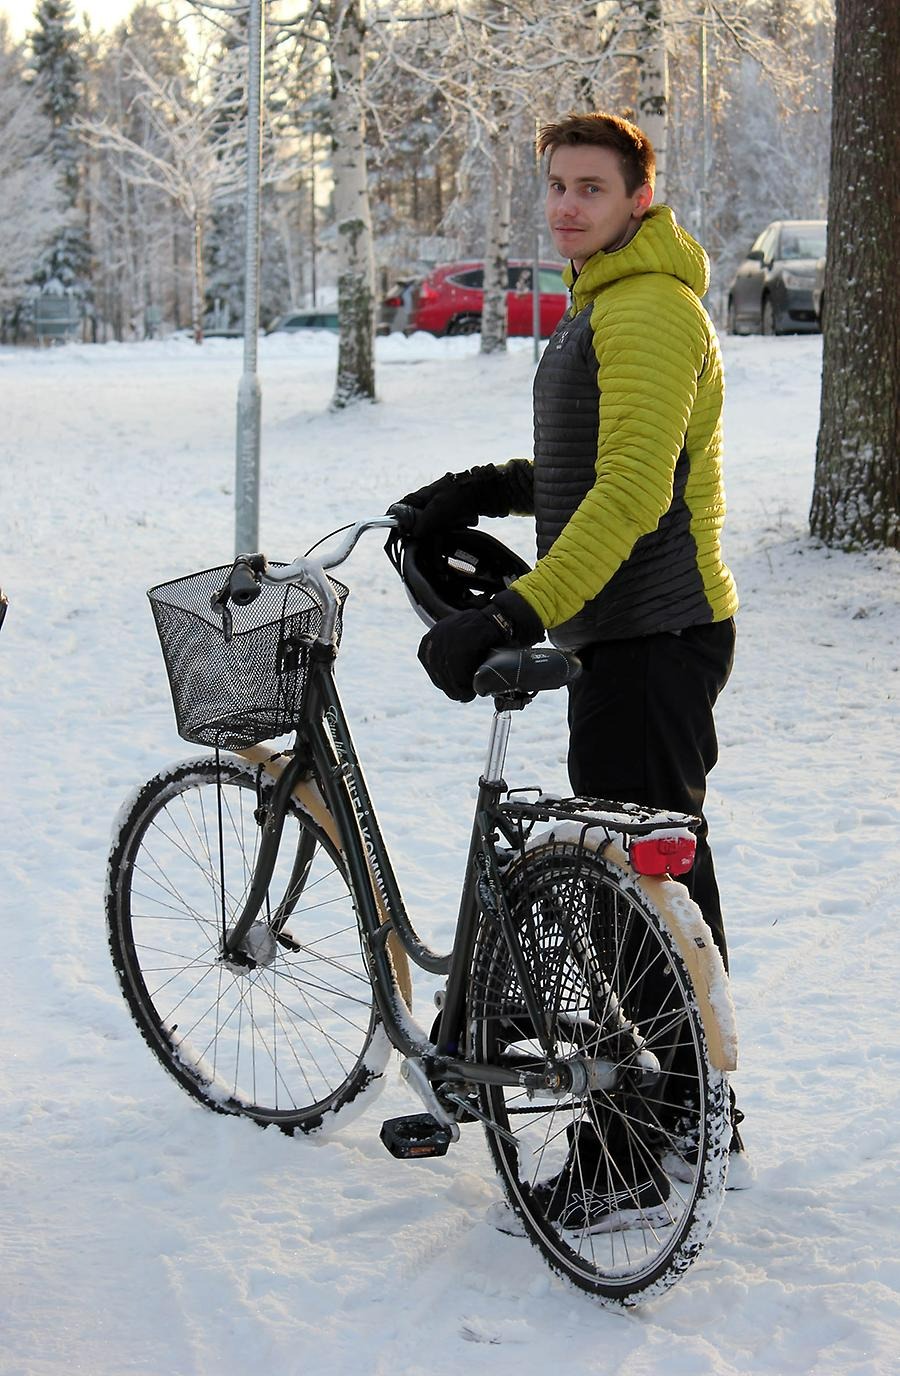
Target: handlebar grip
[(243, 585), (404, 515)]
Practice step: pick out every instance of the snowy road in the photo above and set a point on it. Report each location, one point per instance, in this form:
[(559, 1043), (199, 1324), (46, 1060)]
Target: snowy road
[(139, 1234)]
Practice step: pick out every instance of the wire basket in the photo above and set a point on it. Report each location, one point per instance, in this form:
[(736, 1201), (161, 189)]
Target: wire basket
[(234, 693)]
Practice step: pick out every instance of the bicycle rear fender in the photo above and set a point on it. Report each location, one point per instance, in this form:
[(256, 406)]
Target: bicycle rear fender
[(697, 949), (310, 800)]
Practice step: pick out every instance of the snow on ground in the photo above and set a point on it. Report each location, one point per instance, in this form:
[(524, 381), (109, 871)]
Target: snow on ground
[(139, 1234)]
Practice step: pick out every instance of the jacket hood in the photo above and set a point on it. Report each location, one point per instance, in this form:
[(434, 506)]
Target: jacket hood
[(660, 245)]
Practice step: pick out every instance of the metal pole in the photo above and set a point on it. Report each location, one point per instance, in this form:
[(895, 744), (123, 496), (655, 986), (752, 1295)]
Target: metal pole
[(246, 487), (312, 217), (536, 266)]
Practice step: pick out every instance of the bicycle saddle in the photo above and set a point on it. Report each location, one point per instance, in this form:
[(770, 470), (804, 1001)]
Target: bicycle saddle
[(525, 671)]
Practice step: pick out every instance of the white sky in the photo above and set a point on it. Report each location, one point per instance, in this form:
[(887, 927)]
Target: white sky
[(104, 14)]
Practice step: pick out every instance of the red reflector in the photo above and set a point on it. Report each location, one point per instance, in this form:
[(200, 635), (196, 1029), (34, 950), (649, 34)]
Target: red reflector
[(663, 854)]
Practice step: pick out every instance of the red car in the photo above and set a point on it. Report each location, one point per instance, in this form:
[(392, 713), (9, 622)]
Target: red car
[(450, 299)]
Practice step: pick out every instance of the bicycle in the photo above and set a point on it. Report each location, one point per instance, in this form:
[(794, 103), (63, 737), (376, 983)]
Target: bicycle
[(262, 944)]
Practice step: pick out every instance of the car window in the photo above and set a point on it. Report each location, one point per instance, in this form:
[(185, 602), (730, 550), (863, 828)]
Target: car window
[(518, 279), (802, 241), (758, 243), (473, 279), (551, 282), (769, 245)]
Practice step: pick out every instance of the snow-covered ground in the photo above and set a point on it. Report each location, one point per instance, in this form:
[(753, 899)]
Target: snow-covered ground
[(139, 1234)]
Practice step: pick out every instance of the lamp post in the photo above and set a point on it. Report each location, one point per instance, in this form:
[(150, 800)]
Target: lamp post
[(246, 486)]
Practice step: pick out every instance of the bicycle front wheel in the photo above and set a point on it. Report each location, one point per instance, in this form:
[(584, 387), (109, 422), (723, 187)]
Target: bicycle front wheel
[(617, 1183), (289, 1037)]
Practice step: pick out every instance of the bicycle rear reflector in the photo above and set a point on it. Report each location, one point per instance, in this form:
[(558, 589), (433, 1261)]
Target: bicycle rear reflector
[(656, 855)]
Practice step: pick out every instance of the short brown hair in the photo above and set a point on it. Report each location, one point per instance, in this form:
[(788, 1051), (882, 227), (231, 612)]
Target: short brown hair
[(636, 156)]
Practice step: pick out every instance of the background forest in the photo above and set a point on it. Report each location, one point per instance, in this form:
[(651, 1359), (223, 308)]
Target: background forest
[(122, 153)]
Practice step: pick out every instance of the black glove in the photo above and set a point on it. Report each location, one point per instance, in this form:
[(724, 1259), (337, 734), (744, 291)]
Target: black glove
[(458, 499), (455, 648)]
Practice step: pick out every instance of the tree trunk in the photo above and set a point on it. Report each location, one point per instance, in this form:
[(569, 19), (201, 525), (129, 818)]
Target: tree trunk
[(653, 86), (856, 496), (496, 246), (198, 284), (356, 266)]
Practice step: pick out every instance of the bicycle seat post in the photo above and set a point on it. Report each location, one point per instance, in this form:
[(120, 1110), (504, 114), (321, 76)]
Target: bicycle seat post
[(497, 745)]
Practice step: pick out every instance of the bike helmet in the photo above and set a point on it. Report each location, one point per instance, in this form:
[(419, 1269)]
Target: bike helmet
[(453, 570)]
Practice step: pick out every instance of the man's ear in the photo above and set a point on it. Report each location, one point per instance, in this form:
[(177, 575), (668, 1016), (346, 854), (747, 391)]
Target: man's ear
[(642, 200)]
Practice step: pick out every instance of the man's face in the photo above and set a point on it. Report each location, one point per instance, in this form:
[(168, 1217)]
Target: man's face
[(588, 207)]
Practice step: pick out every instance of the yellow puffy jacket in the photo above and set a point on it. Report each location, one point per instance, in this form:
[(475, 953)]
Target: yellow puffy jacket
[(628, 492)]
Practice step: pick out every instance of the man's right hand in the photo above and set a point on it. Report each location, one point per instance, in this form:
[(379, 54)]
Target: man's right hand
[(457, 499)]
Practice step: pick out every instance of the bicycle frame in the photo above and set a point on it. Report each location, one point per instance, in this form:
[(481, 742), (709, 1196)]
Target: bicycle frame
[(324, 750)]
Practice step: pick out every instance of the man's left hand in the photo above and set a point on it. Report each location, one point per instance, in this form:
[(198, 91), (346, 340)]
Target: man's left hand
[(455, 648)]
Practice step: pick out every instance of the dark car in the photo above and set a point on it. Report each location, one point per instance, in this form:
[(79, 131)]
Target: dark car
[(304, 320), (771, 292), (451, 298)]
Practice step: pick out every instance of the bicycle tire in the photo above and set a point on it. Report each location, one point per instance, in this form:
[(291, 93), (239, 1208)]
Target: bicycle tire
[(586, 931), (292, 1040)]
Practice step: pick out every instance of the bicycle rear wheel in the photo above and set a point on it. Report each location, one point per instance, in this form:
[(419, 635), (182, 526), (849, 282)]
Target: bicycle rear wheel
[(292, 1036), (618, 1187)]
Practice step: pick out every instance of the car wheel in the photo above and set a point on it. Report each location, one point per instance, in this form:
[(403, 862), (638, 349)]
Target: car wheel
[(731, 319), (769, 323), (464, 324)]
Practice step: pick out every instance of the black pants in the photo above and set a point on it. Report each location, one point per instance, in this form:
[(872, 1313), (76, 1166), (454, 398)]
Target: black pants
[(641, 731)]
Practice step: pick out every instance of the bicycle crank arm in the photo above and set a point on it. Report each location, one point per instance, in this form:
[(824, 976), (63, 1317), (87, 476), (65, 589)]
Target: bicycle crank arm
[(413, 1072)]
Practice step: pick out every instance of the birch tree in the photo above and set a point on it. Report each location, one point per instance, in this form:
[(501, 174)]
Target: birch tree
[(188, 156), (856, 497), (356, 265)]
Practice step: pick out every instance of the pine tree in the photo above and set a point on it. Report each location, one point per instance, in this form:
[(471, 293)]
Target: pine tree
[(59, 75), (33, 206)]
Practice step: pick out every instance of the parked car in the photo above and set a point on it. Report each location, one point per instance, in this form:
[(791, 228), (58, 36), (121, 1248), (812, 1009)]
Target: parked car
[(305, 320), (818, 291), (771, 292), (451, 298)]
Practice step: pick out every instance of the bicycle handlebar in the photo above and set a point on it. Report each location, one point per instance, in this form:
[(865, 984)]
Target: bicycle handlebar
[(249, 570)]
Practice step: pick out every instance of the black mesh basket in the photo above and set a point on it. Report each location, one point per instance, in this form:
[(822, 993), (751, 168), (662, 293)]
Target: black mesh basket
[(235, 693)]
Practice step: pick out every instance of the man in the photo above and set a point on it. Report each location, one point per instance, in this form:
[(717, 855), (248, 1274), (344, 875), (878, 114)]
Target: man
[(626, 489)]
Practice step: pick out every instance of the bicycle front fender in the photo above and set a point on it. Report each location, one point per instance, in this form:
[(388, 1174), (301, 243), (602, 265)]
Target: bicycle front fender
[(308, 797)]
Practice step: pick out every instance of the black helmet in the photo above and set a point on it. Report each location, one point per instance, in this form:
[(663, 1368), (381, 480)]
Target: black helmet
[(452, 570)]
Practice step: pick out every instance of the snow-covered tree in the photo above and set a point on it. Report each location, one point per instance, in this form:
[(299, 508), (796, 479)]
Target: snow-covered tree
[(58, 81), (55, 43), (185, 152), (352, 215), (856, 499), (34, 210)]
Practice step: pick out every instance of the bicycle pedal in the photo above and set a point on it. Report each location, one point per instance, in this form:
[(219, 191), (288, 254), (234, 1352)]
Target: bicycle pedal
[(414, 1136)]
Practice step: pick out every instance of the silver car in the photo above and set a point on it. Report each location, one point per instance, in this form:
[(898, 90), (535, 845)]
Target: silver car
[(771, 292)]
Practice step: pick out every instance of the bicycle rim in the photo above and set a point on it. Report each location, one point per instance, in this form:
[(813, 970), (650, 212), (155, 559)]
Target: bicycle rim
[(618, 1187), (290, 1037)]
